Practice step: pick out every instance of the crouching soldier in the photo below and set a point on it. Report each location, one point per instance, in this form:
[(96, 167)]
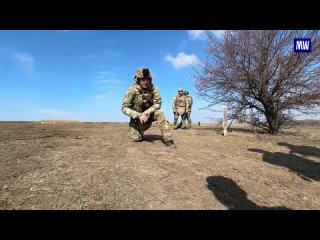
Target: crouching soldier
[(142, 103)]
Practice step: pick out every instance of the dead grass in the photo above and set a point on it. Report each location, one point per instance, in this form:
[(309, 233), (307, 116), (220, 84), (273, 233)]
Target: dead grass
[(96, 166)]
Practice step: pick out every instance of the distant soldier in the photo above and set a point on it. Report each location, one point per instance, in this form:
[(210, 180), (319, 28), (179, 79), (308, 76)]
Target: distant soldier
[(142, 103), (190, 102), (180, 106)]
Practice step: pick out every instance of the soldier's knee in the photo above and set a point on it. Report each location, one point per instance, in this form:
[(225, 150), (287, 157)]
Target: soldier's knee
[(158, 113), (164, 126), (159, 116)]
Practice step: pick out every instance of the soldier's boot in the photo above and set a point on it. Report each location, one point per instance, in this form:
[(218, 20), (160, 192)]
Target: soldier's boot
[(178, 126), (170, 144), (164, 127)]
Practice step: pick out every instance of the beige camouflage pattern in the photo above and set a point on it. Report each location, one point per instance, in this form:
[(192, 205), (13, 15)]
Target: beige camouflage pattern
[(179, 107), (137, 129), (137, 101), (139, 74), (190, 103)]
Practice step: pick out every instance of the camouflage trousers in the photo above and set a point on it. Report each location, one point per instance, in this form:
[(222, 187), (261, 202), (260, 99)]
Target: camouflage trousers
[(189, 118), (183, 123), (137, 129)]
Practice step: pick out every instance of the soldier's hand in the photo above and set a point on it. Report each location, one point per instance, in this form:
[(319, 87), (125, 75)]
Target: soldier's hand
[(143, 118)]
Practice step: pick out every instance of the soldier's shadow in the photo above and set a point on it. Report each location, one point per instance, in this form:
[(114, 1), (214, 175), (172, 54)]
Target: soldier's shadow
[(306, 169), (303, 150), (232, 196), (152, 138)]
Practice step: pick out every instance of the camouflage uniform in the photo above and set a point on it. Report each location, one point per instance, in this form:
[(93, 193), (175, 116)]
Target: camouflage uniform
[(180, 106), (190, 102), (138, 100)]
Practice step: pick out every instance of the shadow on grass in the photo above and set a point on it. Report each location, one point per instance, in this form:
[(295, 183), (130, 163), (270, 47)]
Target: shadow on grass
[(232, 196), (301, 149), (305, 168), (152, 138)]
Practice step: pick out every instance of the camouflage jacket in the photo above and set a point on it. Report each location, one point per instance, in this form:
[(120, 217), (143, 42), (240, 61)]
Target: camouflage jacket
[(190, 102), (138, 100), (180, 102)]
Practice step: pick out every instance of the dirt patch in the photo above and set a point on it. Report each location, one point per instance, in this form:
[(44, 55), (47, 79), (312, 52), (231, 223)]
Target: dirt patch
[(97, 166)]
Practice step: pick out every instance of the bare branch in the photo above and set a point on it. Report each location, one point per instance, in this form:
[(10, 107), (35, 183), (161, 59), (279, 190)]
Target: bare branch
[(258, 70)]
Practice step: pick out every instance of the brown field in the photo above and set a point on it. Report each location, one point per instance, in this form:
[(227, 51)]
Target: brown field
[(96, 166)]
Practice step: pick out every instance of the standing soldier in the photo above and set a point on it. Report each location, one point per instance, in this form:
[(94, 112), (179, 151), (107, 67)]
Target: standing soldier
[(190, 102), (180, 106), (142, 104)]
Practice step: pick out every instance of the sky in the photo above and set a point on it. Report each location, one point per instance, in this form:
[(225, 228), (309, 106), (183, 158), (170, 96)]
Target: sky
[(84, 74)]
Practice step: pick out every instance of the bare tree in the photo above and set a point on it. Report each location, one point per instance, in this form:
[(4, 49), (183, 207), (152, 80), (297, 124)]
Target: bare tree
[(259, 72)]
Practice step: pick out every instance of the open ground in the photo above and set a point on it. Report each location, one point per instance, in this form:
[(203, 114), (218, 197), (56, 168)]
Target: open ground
[(97, 166)]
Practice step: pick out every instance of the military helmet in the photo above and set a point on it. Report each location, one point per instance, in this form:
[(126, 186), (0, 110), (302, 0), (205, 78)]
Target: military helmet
[(142, 73), (180, 90), (185, 92)]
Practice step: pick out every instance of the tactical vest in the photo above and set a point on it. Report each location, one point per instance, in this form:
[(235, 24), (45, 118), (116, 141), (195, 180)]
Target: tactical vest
[(181, 101), (143, 99)]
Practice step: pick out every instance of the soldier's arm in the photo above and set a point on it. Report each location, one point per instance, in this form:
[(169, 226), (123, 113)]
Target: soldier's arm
[(156, 102), (187, 105), (128, 103)]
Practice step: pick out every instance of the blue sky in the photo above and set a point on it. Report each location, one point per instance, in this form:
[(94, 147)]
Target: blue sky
[(83, 75)]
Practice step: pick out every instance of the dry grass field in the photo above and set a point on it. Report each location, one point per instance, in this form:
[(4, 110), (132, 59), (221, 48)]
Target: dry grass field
[(97, 166)]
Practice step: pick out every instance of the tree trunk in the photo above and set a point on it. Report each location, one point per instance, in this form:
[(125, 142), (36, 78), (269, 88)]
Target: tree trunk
[(273, 119)]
